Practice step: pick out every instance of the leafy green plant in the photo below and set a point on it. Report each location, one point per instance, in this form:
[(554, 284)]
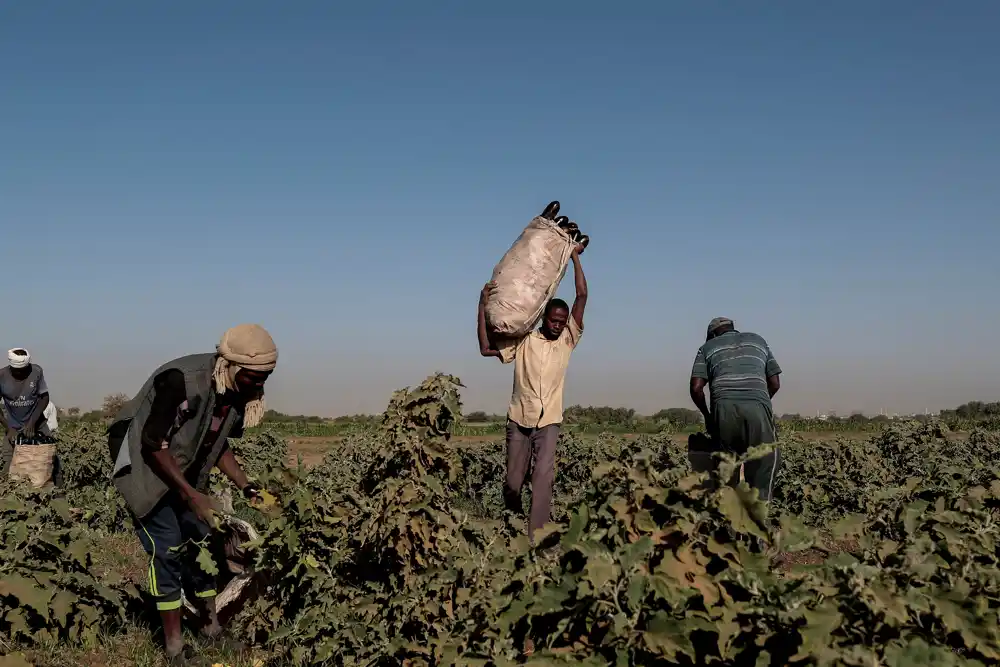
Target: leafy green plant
[(653, 566), (86, 482), (47, 589), (344, 557), (396, 549)]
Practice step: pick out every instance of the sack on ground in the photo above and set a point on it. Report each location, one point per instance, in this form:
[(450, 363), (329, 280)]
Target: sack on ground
[(235, 568), (34, 463), (527, 277)]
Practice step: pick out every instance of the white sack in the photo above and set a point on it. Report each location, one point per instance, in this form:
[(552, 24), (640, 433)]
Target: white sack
[(527, 277)]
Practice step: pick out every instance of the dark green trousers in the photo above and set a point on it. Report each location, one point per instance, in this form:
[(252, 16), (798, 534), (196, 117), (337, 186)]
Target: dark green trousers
[(735, 427)]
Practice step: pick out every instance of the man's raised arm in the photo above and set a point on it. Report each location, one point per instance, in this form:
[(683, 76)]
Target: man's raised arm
[(487, 347), (580, 302)]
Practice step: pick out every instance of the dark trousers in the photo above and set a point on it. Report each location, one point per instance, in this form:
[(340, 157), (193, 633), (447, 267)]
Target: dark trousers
[(760, 473), (521, 444), (162, 532), (735, 427)]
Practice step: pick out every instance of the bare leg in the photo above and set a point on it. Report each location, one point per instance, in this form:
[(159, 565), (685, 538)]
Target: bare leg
[(172, 632)]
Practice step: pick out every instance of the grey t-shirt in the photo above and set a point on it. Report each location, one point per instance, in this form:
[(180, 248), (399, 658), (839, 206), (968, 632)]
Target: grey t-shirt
[(736, 366), (21, 396)]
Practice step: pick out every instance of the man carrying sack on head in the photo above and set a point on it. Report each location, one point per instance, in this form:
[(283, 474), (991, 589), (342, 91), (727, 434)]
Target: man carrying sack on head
[(165, 442), (27, 449), (535, 414)]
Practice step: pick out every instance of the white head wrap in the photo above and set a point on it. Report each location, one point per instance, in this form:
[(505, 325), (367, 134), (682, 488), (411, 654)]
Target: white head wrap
[(16, 359)]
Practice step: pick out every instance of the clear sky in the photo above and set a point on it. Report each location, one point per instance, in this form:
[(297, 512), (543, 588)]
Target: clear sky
[(824, 173)]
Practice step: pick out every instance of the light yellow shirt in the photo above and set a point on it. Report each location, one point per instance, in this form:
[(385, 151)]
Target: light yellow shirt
[(539, 375)]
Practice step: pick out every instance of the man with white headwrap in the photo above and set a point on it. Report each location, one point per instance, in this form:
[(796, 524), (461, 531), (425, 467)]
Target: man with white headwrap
[(24, 396), (165, 442)]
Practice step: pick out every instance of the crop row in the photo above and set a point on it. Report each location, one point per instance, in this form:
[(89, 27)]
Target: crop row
[(396, 549)]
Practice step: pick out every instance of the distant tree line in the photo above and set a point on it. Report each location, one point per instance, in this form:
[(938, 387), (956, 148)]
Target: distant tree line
[(974, 410), (854, 418), (607, 416)]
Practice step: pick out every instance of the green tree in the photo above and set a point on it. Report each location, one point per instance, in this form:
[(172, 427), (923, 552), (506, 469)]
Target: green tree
[(679, 416)]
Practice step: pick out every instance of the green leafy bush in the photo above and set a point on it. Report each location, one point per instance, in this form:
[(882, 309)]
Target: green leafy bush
[(396, 549), (86, 483), (48, 591)]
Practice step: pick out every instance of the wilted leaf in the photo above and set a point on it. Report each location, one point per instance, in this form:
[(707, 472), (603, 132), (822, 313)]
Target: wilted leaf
[(27, 592)]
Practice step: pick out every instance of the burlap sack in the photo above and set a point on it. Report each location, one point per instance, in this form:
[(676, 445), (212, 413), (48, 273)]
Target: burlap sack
[(527, 277), (34, 463), (234, 567)]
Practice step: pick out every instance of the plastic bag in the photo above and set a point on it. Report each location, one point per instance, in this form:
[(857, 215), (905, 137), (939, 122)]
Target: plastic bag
[(51, 415), (235, 568)]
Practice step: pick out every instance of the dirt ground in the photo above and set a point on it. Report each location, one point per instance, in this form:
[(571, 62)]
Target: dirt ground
[(312, 448)]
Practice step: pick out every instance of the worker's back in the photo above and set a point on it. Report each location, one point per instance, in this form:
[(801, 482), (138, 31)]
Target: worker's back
[(737, 365)]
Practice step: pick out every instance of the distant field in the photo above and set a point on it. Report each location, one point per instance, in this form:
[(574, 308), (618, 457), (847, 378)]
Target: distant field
[(312, 447)]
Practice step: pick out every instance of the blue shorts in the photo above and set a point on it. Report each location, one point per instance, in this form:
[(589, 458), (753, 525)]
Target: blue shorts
[(162, 532)]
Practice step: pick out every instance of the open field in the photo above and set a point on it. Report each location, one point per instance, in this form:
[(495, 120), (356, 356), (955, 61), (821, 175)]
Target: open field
[(313, 448), (392, 547)]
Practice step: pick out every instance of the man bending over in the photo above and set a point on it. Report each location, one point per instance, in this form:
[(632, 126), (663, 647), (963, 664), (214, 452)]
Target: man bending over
[(166, 441), (742, 376)]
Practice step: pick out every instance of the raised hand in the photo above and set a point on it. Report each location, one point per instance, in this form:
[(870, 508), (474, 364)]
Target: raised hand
[(484, 296)]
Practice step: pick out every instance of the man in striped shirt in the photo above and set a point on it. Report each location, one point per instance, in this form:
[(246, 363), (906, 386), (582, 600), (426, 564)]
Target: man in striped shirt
[(742, 376)]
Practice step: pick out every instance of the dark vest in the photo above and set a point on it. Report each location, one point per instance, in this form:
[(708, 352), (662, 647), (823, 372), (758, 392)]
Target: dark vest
[(137, 482)]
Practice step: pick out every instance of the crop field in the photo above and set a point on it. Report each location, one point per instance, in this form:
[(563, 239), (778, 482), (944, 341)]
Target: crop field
[(389, 545)]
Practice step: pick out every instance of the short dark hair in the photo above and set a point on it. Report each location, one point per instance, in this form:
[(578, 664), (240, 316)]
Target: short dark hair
[(555, 304)]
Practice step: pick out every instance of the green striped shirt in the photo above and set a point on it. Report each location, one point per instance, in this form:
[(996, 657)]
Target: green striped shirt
[(736, 366)]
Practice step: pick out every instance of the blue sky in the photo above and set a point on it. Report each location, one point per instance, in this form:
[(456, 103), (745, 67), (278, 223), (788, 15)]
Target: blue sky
[(824, 173)]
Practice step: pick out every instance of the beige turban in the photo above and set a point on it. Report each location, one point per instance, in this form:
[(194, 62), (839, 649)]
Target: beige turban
[(245, 346)]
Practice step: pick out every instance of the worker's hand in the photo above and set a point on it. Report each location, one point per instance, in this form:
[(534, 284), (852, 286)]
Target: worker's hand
[(28, 430), (204, 508), (484, 296), (11, 435), (579, 248)]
